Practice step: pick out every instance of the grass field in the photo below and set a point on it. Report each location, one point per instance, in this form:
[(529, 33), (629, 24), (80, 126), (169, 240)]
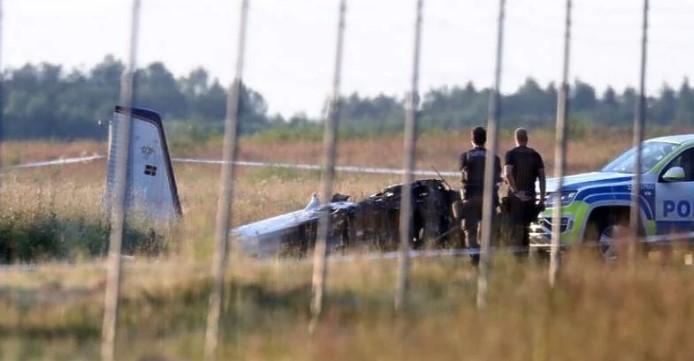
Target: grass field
[(52, 310)]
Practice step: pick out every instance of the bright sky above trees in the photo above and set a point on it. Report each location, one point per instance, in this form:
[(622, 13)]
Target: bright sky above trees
[(291, 42)]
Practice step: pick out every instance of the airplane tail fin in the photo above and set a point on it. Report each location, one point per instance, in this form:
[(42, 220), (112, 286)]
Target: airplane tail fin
[(151, 186)]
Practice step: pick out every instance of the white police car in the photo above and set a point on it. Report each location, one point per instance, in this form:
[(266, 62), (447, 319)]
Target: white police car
[(595, 204)]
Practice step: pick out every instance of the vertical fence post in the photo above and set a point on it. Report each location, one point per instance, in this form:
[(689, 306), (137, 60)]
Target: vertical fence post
[(113, 277), (489, 176), (2, 85), (560, 149), (410, 146), (226, 188), (639, 118), (320, 266)]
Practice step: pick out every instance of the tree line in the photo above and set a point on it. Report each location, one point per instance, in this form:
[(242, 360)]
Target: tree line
[(47, 101)]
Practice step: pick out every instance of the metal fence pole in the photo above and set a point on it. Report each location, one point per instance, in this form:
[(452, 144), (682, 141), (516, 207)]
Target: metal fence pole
[(489, 176), (639, 118), (2, 85), (410, 146), (320, 266), (113, 277), (226, 187), (560, 149)]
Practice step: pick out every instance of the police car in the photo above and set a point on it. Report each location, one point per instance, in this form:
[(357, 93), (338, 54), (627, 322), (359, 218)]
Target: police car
[(595, 204)]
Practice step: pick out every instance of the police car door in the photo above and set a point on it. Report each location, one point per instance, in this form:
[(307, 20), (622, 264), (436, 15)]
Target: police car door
[(675, 195)]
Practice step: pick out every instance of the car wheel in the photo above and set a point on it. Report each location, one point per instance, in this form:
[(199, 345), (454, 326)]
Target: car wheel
[(602, 238), (607, 242)]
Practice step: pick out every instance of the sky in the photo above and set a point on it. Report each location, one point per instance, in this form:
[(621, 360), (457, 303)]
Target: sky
[(290, 44)]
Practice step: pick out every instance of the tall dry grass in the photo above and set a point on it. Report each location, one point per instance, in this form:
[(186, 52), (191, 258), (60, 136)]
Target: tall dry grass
[(597, 312)]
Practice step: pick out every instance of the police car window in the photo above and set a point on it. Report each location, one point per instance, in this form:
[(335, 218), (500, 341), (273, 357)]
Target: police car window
[(651, 154), (686, 162)]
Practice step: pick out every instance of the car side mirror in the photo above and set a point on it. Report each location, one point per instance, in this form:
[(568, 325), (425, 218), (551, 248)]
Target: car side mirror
[(674, 174)]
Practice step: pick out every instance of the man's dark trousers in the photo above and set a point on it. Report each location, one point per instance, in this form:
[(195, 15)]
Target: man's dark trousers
[(521, 214)]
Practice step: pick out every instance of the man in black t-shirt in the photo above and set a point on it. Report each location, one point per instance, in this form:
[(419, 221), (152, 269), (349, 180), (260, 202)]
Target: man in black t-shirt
[(471, 166), (522, 168)]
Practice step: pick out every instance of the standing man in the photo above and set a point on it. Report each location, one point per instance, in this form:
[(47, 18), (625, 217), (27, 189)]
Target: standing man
[(472, 170), (522, 168)]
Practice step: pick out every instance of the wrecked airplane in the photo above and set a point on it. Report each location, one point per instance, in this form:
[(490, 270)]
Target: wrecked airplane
[(372, 223)]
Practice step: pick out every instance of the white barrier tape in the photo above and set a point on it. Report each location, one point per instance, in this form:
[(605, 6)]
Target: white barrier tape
[(312, 167), (344, 168), (49, 163)]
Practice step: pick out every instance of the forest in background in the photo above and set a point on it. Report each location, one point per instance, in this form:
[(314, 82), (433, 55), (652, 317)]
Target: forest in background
[(46, 101)]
